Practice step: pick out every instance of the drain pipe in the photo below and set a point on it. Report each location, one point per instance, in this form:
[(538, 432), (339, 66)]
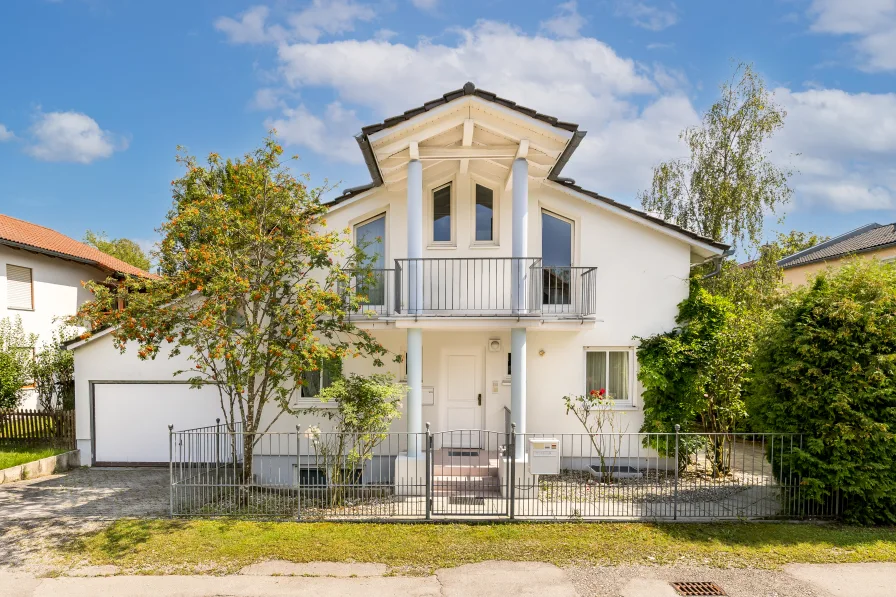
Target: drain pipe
[(718, 259)]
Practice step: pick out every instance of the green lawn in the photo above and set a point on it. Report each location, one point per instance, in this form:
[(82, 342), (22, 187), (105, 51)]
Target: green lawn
[(224, 546), (13, 456)]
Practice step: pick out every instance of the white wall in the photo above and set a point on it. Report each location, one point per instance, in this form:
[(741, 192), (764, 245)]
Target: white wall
[(58, 292)]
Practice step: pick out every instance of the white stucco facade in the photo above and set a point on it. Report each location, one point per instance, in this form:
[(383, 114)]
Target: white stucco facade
[(57, 292), (457, 373)]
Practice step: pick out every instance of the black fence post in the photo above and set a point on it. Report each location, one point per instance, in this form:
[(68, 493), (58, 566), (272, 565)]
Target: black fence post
[(512, 479), (677, 466), (429, 462)]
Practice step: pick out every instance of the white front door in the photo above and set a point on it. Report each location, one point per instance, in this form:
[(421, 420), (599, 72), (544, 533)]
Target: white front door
[(463, 398)]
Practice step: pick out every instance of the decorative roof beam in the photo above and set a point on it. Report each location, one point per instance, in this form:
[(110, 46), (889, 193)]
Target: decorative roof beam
[(521, 154), (466, 142)]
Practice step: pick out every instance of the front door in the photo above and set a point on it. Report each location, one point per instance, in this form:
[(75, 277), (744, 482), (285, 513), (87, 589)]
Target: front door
[(463, 399)]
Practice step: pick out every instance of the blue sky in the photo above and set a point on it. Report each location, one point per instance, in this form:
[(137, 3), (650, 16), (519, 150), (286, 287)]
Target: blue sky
[(97, 94)]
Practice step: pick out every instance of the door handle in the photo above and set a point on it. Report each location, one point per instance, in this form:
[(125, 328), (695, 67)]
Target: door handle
[(479, 399)]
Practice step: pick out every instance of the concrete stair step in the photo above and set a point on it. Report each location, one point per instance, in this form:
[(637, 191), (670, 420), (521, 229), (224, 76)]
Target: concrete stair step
[(465, 482), (440, 470)]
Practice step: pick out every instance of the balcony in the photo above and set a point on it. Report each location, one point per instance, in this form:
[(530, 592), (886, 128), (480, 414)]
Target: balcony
[(477, 287)]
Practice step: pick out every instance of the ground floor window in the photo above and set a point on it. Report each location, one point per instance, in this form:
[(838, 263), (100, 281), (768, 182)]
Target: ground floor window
[(314, 381), (611, 370)]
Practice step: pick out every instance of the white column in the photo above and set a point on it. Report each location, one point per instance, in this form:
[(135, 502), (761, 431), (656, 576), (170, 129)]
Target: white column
[(518, 386), (520, 181), (415, 295), (415, 235)]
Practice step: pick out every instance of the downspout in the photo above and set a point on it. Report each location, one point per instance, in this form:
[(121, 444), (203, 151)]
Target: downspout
[(718, 259)]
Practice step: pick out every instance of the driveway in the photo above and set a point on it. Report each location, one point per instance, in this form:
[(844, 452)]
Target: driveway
[(44, 512)]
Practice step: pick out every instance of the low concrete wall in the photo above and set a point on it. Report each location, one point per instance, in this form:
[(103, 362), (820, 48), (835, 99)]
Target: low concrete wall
[(41, 468)]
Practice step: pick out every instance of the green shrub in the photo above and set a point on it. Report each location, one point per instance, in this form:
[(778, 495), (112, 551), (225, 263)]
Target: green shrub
[(826, 368)]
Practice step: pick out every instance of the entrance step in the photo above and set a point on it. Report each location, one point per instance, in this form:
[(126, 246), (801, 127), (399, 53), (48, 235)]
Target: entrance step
[(463, 483), (464, 470)]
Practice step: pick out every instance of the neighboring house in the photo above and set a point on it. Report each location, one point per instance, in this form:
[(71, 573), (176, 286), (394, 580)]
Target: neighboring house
[(873, 241), (505, 285), (41, 274)]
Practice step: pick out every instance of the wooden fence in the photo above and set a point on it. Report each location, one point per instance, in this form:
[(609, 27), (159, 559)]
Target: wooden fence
[(34, 427)]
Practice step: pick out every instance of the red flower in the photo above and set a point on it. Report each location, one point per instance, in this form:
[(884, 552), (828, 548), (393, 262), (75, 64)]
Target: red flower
[(593, 392), (602, 392)]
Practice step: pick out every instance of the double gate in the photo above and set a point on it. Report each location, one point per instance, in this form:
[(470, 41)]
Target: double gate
[(467, 473)]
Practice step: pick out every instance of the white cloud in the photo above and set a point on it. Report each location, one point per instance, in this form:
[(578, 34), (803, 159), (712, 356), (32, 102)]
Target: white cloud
[(647, 16), (267, 98), (567, 22), (250, 28), (425, 4), (633, 112), (72, 137), (330, 135), (384, 34), (581, 78), (846, 144), (321, 17), (870, 23), (6, 134)]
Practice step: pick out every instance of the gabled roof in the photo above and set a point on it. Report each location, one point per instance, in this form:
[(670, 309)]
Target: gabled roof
[(468, 90), (569, 184), (861, 240), (20, 234)]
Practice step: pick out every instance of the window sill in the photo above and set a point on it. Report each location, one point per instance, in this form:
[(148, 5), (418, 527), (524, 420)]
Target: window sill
[(314, 403), (20, 308), (442, 246), (485, 245)]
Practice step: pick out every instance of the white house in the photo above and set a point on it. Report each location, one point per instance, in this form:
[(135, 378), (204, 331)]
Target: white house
[(506, 285), (41, 273)]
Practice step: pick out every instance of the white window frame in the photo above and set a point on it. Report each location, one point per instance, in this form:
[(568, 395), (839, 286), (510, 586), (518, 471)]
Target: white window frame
[(303, 401), (496, 219), (429, 214), (632, 380), (30, 287)]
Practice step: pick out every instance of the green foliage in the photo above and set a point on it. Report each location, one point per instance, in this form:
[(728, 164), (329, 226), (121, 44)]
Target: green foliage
[(728, 184), (16, 348), (365, 408), (695, 375), (53, 372), (252, 289), (603, 425), (120, 248), (826, 368)]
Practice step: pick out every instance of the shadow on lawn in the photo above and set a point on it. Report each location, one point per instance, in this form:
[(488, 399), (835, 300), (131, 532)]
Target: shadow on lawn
[(765, 535)]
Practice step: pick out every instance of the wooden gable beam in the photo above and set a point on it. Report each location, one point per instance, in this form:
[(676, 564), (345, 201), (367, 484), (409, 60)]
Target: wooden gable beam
[(466, 142), (522, 153)]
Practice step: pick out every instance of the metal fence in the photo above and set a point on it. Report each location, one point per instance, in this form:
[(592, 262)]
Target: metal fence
[(465, 474)]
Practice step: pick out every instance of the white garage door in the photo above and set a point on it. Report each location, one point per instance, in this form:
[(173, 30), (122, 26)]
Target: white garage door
[(131, 420)]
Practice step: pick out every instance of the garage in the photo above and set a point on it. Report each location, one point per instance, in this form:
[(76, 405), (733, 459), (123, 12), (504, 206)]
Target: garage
[(130, 419)]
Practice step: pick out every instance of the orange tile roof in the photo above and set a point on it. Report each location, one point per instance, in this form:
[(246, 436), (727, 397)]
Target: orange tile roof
[(43, 240)]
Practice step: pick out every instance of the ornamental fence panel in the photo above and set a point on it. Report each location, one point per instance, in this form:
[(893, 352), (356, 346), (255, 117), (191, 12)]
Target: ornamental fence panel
[(467, 474)]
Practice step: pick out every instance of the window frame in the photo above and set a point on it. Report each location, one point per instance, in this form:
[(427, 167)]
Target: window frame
[(312, 401), (496, 202), (631, 402), (30, 287), (429, 213)]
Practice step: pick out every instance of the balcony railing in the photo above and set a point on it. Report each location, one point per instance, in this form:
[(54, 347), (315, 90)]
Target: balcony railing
[(469, 287), (375, 291)]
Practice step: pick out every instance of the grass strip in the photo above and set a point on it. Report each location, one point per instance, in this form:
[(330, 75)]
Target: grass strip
[(225, 546)]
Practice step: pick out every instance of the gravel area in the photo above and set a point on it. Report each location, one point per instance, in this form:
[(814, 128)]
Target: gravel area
[(43, 513)]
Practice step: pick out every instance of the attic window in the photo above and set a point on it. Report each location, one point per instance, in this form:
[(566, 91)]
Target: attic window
[(441, 215), (19, 289)]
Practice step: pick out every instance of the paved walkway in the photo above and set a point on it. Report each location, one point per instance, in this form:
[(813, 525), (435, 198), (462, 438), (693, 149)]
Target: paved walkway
[(99, 493), (484, 579)]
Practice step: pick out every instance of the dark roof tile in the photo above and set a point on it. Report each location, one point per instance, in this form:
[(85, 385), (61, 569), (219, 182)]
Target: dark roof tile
[(860, 240)]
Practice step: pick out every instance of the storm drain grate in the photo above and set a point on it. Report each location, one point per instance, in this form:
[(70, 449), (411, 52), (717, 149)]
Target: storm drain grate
[(462, 453), (467, 501), (704, 589)]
